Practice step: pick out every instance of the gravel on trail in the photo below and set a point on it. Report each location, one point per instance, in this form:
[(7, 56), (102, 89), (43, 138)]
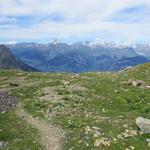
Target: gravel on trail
[(7, 102)]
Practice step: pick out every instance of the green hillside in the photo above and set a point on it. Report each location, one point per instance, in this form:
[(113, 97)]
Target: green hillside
[(95, 110)]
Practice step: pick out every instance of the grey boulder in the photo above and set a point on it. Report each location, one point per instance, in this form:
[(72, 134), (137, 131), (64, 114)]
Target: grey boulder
[(143, 124)]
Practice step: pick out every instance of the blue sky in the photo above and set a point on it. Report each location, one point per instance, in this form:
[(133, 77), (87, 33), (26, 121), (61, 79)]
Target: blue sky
[(125, 21)]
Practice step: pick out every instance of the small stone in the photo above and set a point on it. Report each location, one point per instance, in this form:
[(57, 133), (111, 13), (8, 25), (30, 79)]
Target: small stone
[(103, 109), (71, 148), (114, 139), (119, 136), (116, 91), (86, 115), (129, 82), (95, 128), (97, 134), (102, 142), (148, 140), (34, 141), (126, 130), (37, 118), (125, 126), (141, 133), (86, 144), (131, 147), (88, 129), (2, 144), (80, 141), (147, 86), (126, 135), (96, 143), (133, 132), (14, 84)]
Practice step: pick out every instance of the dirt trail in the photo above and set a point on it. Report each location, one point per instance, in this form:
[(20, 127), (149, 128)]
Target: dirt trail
[(52, 137)]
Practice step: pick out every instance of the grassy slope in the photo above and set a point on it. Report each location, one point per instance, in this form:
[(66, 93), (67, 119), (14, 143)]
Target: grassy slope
[(17, 134), (97, 104)]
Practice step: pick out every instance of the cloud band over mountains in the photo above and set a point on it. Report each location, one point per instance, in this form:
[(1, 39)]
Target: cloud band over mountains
[(74, 20)]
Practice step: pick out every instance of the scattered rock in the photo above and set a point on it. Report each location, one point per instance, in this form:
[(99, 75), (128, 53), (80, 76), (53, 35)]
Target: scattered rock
[(97, 133), (50, 94), (148, 140), (52, 136), (143, 124), (80, 141), (133, 132), (135, 82), (74, 75), (75, 88), (127, 133), (119, 136), (71, 148), (128, 68), (13, 84), (66, 82), (141, 133), (114, 139), (116, 91), (103, 110), (87, 130), (94, 130), (6, 102), (132, 147), (147, 86), (125, 126), (2, 144), (3, 78), (102, 142)]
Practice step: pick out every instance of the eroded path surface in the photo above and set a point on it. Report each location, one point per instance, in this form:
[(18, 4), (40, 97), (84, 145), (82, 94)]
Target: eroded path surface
[(6, 102), (52, 137)]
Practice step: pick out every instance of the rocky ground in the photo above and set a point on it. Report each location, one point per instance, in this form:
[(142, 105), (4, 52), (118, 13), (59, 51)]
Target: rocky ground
[(106, 111), (7, 102), (52, 137)]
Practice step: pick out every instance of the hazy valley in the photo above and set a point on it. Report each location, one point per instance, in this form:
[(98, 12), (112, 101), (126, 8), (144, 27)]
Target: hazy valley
[(80, 57)]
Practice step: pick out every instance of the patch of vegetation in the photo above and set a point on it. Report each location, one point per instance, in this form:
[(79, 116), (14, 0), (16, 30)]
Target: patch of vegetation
[(16, 134), (90, 107)]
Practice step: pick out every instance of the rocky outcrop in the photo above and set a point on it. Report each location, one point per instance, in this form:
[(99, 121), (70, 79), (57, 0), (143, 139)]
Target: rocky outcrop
[(9, 61)]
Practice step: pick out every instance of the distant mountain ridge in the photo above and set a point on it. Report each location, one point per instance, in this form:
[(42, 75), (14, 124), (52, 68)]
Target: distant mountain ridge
[(79, 57), (9, 61)]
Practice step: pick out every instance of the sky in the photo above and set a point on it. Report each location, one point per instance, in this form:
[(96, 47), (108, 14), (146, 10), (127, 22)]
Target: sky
[(120, 21)]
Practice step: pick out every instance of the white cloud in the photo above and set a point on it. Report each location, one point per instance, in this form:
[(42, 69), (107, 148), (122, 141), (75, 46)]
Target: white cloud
[(11, 42), (81, 18)]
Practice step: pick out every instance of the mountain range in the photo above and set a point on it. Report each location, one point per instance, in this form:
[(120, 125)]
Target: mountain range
[(80, 57), (9, 61)]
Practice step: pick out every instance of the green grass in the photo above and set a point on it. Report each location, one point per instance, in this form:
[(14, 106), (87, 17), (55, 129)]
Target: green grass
[(16, 134), (96, 105)]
